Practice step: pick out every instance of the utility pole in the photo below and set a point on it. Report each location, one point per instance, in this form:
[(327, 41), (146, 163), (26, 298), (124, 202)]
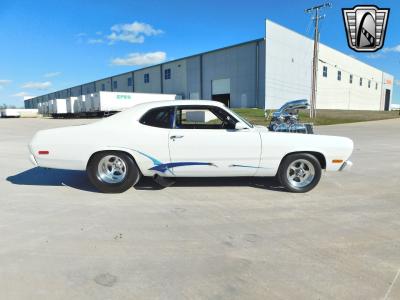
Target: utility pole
[(315, 10)]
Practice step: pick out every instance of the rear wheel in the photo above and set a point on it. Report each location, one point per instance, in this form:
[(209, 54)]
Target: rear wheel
[(113, 172), (300, 172)]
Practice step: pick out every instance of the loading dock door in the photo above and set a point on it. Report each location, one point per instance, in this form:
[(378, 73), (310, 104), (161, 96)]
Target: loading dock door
[(221, 90), (387, 100)]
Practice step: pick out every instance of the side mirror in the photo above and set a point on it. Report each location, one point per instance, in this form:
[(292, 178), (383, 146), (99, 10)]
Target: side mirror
[(240, 126)]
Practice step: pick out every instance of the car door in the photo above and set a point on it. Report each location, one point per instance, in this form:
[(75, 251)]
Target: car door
[(202, 144)]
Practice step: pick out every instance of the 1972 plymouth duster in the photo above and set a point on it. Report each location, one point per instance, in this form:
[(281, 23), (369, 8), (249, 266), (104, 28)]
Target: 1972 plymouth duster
[(187, 138)]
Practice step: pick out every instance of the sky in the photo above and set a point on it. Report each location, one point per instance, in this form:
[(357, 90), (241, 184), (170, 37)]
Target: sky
[(51, 45)]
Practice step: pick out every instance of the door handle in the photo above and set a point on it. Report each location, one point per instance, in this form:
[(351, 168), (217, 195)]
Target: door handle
[(173, 137)]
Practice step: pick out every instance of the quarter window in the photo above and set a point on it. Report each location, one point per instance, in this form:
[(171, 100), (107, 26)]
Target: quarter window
[(339, 75), (161, 117), (351, 78), (360, 81), (325, 71)]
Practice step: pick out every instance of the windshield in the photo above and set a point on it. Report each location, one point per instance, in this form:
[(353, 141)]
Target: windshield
[(241, 118)]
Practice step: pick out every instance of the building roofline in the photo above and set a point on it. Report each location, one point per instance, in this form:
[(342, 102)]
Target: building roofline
[(158, 65), (331, 48)]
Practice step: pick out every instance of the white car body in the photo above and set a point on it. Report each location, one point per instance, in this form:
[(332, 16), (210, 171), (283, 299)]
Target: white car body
[(246, 151)]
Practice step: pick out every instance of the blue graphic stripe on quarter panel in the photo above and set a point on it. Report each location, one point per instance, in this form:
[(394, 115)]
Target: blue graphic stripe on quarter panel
[(154, 160)]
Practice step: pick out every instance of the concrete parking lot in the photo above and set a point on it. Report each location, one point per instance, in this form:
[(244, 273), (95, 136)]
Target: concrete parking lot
[(201, 239)]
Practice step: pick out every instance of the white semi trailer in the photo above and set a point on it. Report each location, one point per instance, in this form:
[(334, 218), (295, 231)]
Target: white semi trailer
[(71, 105), (58, 107), (19, 112), (103, 102), (79, 105)]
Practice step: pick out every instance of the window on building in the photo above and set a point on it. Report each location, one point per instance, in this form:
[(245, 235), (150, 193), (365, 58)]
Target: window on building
[(369, 83), (167, 74), (115, 85), (376, 85), (161, 117), (146, 78), (130, 81), (360, 81), (351, 78), (325, 71), (103, 87), (339, 75)]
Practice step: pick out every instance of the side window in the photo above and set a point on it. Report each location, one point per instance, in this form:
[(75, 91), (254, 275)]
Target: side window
[(325, 71), (161, 117), (198, 117), (146, 78), (167, 74)]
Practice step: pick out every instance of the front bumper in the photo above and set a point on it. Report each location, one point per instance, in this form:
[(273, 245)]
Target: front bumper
[(33, 160), (346, 166)]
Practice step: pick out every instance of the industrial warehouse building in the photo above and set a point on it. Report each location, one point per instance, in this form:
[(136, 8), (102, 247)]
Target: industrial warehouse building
[(262, 73)]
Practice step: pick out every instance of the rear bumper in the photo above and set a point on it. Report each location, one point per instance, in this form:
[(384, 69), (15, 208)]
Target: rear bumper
[(346, 166)]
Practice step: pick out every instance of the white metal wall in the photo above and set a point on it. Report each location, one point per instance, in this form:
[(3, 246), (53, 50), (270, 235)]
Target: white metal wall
[(288, 74), (287, 67)]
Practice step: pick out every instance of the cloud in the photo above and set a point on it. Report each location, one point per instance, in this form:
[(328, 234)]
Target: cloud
[(4, 82), (36, 85), (52, 74), (95, 41), (140, 59), (81, 34), (392, 49), (132, 33), (99, 32), (374, 55), (21, 94)]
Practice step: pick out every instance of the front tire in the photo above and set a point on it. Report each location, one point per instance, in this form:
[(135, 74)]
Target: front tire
[(113, 171), (299, 172)]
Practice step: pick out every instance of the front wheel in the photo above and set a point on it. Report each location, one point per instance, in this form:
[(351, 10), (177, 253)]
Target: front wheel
[(113, 172), (299, 172)]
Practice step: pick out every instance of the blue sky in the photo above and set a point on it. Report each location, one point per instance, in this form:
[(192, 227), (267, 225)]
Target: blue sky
[(50, 45)]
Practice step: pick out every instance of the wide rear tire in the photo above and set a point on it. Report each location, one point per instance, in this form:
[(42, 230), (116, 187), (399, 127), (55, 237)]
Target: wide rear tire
[(113, 171), (299, 172)]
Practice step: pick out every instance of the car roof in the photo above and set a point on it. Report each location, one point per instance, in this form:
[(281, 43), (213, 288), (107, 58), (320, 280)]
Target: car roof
[(153, 104), (138, 110)]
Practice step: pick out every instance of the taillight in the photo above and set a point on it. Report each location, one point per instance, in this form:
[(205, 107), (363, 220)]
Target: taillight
[(43, 152)]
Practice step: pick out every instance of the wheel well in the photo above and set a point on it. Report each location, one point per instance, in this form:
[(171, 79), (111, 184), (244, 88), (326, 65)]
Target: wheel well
[(317, 155), (127, 153)]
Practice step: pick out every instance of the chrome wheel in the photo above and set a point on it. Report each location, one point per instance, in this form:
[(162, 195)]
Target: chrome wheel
[(300, 173), (112, 169)]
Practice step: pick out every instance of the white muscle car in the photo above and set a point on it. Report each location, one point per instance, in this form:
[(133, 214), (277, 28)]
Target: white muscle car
[(187, 138)]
